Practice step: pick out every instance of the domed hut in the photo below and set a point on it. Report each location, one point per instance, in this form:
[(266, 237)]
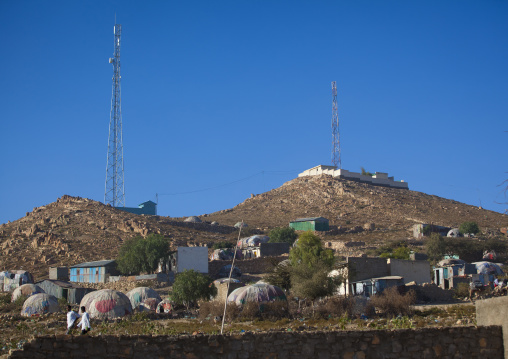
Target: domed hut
[(149, 304), (257, 293), (139, 294), (165, 306), (106, 304), (193, 219), (26, 290), (39, 304)]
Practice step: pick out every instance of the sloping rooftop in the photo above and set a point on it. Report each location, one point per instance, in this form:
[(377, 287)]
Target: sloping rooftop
[(60, 283), (310, 219), (101, 263)]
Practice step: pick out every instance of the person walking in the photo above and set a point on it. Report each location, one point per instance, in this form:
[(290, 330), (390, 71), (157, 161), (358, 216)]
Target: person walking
[(85, 321), (72, 316)]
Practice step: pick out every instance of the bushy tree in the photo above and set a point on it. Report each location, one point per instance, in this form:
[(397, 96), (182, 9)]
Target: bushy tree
[(222, 244), (435, 247), (190, 286), (283, 234), (402, 252), (310, 251), (280, 275), (143, 254), (313, 281), (469, 227)]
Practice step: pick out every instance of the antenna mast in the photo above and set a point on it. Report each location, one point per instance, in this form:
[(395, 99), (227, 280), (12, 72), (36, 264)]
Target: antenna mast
[(115, 190), (336, 161)]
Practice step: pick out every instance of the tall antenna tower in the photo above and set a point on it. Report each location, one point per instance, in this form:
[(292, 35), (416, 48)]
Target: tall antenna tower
[(115, 190), (336, 161)]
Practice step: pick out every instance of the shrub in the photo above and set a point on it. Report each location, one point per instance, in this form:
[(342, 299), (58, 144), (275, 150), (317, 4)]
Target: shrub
[(215, 308), (469, 227), (190, 286), (336, 307), (398, 253), (391, 303), (435, 247), (143, 254), (280, 275), (283, 235), (222, 244), (309, 251), (275, 310), (462, 290)]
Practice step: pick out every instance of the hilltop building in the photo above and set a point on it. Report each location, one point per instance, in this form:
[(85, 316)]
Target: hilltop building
[(377, 179), (147, 207)]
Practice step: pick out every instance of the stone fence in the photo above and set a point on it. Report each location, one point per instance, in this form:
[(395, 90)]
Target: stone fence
[(451, 342)]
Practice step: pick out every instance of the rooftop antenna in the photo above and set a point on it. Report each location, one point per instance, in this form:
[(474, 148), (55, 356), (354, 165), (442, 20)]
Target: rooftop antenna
[(115, 189), (336, 161)]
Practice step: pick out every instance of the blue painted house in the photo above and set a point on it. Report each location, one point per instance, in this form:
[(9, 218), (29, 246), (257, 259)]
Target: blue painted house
[(148, 207), (93, 272)]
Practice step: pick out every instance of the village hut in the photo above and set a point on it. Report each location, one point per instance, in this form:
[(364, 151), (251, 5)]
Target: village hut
[(165, 306), (106, 304), (257, 293), (192, 219), (139, 294), (39, 304), (149, 304), (26, 290)]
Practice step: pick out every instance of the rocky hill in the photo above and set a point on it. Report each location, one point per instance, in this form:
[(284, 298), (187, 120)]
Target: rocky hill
[(74, 230), (358, 210)]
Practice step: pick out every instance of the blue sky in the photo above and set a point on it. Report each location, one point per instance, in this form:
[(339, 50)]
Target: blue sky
[(219, 91)]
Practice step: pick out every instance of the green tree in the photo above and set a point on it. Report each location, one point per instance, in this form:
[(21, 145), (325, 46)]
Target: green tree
[(283, 234), (313, 282), (280, 275), (190, 286), (469, 227), (310, 251), (143, 254), (365, 173), (435, 247), (398, 253), (222, 244)]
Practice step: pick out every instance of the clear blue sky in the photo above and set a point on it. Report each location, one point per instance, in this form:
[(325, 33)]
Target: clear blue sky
[(218, 91)]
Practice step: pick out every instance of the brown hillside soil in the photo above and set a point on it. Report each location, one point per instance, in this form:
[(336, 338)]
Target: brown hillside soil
[(349, 204), (74, 230)]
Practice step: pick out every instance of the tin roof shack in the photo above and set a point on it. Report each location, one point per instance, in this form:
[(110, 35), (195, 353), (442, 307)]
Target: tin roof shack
[(12, 279), (310, 224), (190, 258), (447, 277), (59, 273), (370, 287), (93, 272), (66, 290), (148, 208)]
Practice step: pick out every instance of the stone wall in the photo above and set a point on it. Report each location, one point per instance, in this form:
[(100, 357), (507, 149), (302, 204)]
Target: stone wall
[(494, 311), (458, 342)]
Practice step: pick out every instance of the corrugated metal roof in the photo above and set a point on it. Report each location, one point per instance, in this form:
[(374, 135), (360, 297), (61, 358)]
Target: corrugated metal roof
[(101, 263), (60, 283), (309, 219)]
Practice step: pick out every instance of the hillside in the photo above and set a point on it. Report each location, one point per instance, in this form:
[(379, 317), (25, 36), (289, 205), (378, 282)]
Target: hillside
[(74, 230), (349, 205)]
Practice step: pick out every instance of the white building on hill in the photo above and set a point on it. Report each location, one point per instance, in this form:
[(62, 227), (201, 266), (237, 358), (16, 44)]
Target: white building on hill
[(378, 179)]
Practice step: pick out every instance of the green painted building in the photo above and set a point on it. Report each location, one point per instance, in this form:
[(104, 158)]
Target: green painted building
[(310, 224)]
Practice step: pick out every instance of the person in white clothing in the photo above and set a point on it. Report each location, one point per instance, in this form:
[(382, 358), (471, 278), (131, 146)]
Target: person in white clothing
[(85, 321), (72, 316)]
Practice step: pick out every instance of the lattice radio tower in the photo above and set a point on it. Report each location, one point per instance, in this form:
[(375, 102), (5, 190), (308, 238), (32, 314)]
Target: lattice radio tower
[(115, 190), (336, 161)]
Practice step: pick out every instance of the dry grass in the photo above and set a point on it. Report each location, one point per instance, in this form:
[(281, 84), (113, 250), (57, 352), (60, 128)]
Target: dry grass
[(391, 303)]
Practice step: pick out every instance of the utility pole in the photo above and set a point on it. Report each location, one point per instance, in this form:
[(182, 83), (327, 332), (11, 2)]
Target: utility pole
[(336, 161), (115, 190)]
